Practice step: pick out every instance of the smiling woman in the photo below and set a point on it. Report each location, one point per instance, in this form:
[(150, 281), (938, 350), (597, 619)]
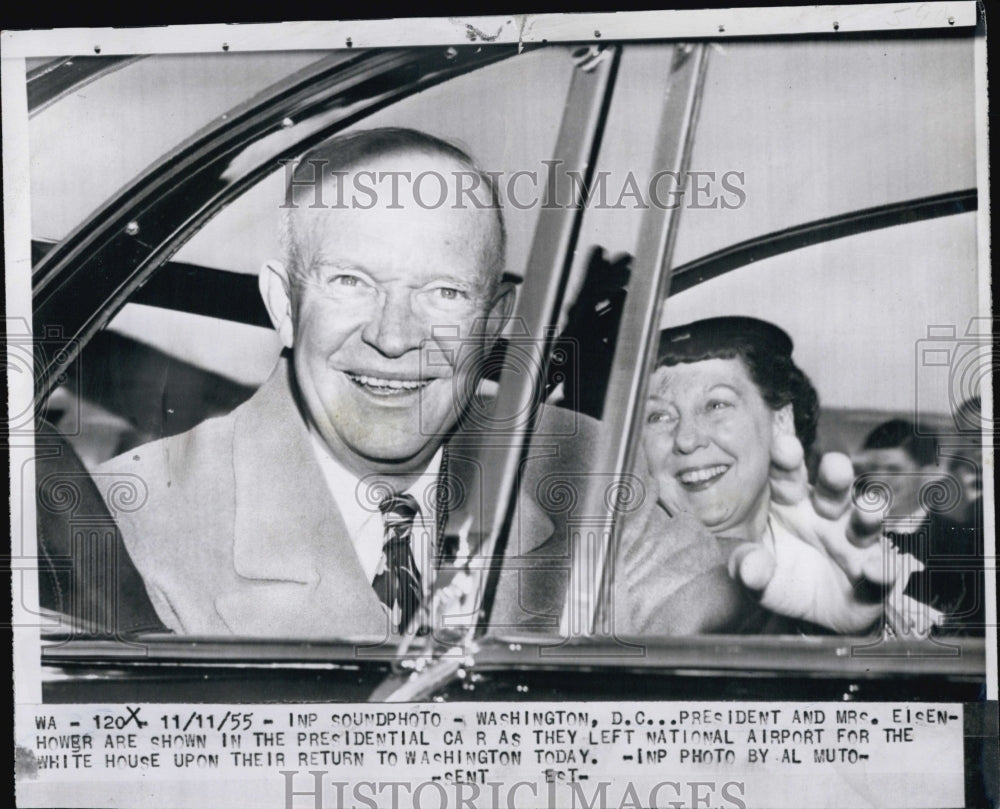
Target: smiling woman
[(725, 403), (724, 389)]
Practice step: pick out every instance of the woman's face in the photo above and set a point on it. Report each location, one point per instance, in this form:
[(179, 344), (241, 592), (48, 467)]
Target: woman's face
[(707, 439)]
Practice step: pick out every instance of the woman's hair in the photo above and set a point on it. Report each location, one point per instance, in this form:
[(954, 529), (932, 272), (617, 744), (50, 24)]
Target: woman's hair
[(766, 352)]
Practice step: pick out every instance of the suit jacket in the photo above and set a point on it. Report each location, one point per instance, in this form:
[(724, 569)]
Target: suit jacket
[(235, 532), (953, 579)]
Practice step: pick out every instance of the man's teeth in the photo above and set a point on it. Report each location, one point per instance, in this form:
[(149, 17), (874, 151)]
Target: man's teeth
[(701, 475), (388, 384)]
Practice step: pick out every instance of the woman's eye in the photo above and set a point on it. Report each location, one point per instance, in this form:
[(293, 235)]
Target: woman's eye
[(719, 404), (659, 417)]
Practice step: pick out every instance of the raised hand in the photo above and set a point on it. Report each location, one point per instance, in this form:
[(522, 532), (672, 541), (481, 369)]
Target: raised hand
[(822, 559)]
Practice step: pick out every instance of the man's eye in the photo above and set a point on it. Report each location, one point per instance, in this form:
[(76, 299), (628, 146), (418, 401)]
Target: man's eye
[(451, 293), (345, 280)]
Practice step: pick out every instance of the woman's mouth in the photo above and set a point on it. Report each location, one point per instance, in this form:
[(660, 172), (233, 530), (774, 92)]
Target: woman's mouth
[(697, 480), (379, 386)]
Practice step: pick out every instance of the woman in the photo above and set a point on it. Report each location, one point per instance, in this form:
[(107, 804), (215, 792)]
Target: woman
[(724, 392)]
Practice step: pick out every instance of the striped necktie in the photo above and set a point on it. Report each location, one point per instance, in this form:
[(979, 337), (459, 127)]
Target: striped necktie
[(398, 583)]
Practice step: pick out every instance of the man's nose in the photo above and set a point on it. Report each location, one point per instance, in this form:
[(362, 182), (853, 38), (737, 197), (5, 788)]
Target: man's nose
[(689, 436), (394, 328)]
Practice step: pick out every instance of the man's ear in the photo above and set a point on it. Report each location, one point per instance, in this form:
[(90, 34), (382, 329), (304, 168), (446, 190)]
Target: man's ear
[(275, 289), (501, 308), (783, 421)]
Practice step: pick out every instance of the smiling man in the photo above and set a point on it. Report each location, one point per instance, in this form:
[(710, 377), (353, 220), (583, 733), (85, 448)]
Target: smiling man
[(315, 508), (367, 290)]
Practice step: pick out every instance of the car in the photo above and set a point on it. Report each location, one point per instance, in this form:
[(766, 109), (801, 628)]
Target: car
[(831, 189)]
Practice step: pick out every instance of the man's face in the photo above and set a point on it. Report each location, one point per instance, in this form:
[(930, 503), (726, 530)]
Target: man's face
[(903, 476), (383, 314)]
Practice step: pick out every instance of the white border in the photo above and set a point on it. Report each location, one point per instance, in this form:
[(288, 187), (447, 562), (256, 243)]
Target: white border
[(20, 379), (524, 29), (15, 46), (983, 237)]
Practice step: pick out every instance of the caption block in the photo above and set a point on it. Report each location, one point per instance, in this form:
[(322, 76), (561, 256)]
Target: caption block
[(719, 756)]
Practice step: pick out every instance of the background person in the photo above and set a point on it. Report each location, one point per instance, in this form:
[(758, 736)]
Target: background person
[(905, 460), (935, 514)]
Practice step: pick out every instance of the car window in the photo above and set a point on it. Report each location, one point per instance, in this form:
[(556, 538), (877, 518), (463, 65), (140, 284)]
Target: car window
[(864, 304), (812, 130), (108, 125), (885, 325), (470, 110)]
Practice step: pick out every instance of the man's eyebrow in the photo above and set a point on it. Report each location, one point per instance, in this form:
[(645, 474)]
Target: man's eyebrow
[(452, 279), (320, 260)]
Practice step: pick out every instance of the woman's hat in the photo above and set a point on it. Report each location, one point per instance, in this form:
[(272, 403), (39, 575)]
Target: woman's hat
[(701, 338)]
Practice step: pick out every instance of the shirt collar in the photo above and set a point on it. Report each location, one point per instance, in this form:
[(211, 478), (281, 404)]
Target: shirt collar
[(359, 509)]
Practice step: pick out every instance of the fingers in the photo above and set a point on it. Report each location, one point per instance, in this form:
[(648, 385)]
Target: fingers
[(789, 481), (671, 498), (831, 496), (910, 617), (808, 584), (753, 565)]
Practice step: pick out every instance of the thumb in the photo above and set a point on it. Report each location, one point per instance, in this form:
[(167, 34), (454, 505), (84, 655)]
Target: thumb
[(671, 497), (752, 565), (671, 502)]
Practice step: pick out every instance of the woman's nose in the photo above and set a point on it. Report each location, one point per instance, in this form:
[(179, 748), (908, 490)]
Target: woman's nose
[(689, 435), (394, 328)]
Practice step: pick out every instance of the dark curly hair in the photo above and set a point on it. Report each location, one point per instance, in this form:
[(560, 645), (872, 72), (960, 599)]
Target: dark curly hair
[(765, 350)]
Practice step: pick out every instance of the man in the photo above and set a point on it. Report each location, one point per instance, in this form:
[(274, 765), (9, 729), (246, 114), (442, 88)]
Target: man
[(904, 460), (310, 510), (266, 522), (934, 514)]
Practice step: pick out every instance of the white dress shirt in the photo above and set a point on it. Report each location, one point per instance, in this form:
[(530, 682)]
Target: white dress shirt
[(364, 521)]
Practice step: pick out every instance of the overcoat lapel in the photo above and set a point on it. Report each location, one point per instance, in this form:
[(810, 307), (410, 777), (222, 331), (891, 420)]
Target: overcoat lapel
[(297, 570)]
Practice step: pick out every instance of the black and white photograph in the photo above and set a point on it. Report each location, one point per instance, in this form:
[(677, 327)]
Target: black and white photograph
[(557, 410)]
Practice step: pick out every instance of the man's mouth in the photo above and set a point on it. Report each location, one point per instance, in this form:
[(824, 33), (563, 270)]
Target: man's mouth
[(388, 387), (698, 479)]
